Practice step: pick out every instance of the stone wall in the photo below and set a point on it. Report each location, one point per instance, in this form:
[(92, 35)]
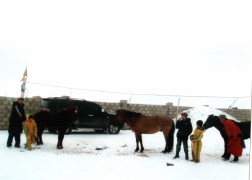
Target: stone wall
[(240, 114), (32, 106), (147, 109), (169, 109)]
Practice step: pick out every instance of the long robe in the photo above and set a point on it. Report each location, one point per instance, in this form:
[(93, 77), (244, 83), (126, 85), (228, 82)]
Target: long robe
[(30, 129), (197, 144), (234, 145), (17, 117)]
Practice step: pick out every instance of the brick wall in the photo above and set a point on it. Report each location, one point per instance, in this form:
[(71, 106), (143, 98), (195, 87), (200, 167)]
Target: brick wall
[(32, 106)]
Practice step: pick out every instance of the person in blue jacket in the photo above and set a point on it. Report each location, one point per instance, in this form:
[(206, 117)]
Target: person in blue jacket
[(184, 127)]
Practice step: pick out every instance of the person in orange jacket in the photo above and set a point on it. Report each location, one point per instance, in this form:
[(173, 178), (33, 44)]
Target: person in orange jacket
[(196, 141), (30, 130), (234, 135)]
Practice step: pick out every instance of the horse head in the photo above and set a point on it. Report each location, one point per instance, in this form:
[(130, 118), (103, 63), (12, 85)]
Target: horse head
[(119, 117), (71, 113), (75, 113), (212, 121)]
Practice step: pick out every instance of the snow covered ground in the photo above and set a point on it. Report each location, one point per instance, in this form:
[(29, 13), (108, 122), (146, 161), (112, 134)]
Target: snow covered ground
[(87, 155)]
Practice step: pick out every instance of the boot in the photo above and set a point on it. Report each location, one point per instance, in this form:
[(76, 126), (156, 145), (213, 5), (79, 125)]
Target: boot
[(186, 157), (177, 153), (176, 156), (235, 159), (226, 156)]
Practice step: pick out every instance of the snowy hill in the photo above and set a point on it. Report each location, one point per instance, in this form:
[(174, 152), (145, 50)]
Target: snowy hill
[(212, 140), (202, 113)]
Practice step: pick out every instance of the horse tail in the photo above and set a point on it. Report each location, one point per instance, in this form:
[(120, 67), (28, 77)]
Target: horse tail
[(245, 128), (171, 137)]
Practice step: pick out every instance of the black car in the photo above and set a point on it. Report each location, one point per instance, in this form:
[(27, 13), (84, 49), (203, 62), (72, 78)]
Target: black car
[(90, 114)]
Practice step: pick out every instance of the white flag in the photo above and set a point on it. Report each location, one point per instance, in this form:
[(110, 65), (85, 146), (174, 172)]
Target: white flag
[(24, 75)]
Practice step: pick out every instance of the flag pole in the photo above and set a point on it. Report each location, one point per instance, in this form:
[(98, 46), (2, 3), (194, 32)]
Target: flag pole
[(177, 109), (23, 85), (250, 127)]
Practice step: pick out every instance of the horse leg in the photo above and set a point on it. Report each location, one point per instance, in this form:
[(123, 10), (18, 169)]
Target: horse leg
[(39, 137), (141, 142), (60, 139), (165, 133), (137, 141)]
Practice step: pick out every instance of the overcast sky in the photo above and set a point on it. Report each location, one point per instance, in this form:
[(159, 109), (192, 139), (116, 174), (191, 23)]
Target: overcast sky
[(195, 48)]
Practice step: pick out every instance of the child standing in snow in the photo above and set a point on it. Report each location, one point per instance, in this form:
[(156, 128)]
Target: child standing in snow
[(196, 141), (30, 130)]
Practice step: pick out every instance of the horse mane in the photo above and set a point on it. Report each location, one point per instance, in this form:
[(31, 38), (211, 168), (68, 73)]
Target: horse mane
[(211, 121), (63, 117), (67, 109), (129, 113)]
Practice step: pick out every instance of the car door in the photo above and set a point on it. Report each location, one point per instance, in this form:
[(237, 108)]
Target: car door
[(57, 104), (83, 115), (96, 116), (90, 115)]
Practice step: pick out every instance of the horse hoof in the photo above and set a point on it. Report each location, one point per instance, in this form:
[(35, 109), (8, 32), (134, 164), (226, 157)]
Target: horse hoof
[(59, 147)]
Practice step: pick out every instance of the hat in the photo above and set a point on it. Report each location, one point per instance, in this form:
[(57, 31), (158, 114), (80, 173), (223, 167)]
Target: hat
[(199, 123), (29, 115), (222, 116), (184, 114)]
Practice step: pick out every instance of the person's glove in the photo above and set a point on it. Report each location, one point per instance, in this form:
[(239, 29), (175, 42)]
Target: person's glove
[(191, 137)]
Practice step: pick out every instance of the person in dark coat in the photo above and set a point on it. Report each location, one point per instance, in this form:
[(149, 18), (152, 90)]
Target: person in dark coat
[(17, 117), (184, 127)]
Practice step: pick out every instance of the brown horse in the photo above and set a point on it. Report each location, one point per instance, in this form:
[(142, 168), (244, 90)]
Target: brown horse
[(60, 121), (141, 124)]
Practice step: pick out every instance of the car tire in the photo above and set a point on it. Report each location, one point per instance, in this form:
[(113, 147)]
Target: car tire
[(112, 129)]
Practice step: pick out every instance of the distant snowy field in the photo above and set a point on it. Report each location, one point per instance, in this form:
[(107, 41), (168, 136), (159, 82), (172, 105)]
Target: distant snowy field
[(87, 155)]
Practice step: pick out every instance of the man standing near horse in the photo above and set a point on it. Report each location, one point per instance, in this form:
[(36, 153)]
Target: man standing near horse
[(17, 117), (234, 135), (184, 127)]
